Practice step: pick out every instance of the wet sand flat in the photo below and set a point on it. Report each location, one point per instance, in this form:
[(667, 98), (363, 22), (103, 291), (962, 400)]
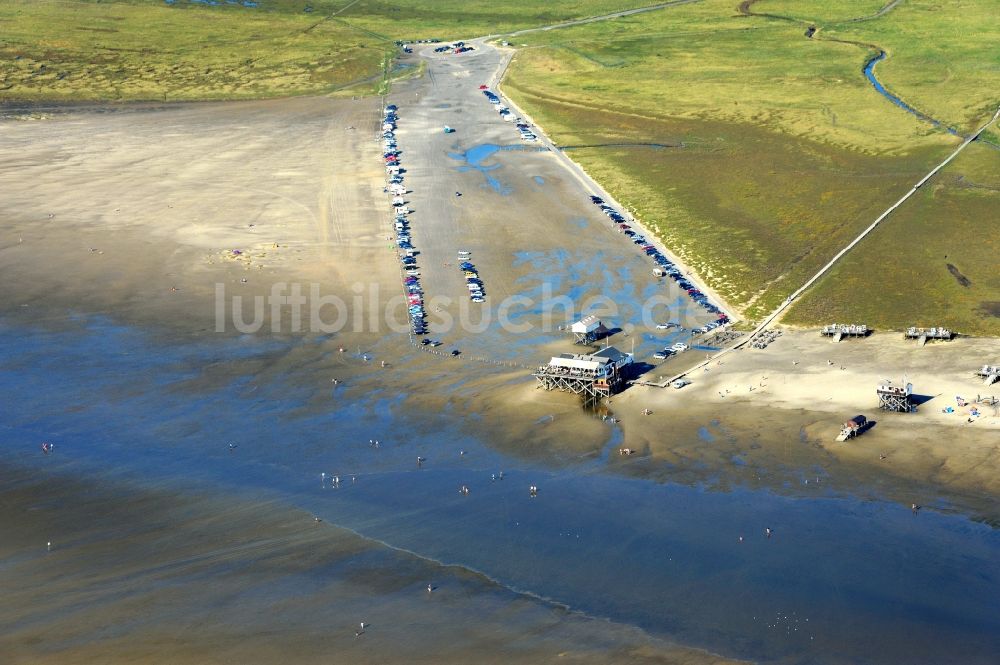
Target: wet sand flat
[(139, 213), (155, 575)]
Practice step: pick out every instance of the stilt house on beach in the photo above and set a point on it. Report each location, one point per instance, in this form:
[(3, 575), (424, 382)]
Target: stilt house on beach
[(593, 375)]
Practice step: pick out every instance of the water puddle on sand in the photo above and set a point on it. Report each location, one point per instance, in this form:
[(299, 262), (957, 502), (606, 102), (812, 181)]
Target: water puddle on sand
[(476, 157)]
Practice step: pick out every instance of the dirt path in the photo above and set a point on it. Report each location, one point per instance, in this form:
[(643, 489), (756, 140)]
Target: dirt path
[(602, 17)]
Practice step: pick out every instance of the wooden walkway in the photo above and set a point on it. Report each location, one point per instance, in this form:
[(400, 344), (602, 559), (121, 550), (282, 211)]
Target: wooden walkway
[(822, 271)]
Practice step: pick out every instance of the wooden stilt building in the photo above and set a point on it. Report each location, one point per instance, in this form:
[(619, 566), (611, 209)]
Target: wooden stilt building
[(924, 334), (838, 331), (586, 329), (990, 374), (594, 376), (892, 397)]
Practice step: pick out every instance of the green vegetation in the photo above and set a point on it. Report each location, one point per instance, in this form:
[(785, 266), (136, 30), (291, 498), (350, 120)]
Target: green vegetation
[(123, 50), (935, 260), (462, 19), (941, 55), (787, 151), (70, 51)]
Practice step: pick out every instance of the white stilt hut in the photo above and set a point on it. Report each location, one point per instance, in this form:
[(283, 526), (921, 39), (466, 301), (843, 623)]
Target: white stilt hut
[(586, 329)]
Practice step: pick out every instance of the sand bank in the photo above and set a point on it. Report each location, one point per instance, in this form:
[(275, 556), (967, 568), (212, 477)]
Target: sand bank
[(157, 575), (785, 405), (138, 214)]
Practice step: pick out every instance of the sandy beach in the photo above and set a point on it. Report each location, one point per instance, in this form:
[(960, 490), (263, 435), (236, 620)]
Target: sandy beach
[(138, 214)]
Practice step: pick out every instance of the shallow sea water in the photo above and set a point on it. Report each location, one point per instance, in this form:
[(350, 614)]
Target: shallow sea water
[(840, 579)]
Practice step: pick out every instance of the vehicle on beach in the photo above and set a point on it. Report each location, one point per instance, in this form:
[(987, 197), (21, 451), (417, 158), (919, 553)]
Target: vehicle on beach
[(449, 130), (680, 383), (661, 355), (679, 347)]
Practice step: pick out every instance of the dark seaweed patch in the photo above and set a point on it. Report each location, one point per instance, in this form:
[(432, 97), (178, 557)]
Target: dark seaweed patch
[(962, 279), (990, 307)]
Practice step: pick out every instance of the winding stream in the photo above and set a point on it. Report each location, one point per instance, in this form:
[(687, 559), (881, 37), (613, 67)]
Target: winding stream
[(869, 71), (744, 8)]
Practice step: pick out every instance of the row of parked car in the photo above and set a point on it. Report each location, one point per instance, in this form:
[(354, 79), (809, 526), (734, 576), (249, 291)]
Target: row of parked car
[(457, 47), (401, 224), (522, 127), (477, 291), (679, 347), (664, 266)]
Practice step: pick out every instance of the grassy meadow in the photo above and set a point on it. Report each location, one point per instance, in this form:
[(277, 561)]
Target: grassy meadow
[(52, 50), (132, 50), (462, 19), (938, 259), (787, 151)]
